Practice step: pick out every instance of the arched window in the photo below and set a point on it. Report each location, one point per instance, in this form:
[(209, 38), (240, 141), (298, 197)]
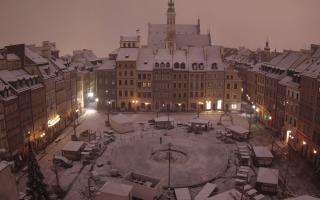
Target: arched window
[(183, 66), (156, 64), (214, 66), (167, 65), (176, 65), (194, 66), (162, 65), (201, 66)]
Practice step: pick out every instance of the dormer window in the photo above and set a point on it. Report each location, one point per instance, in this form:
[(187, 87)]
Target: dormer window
[(194, 66), (183, 66), (176, 65), (214, 66), (168, 65), (162, 65), (201, 66), (127, 56), (156, 65)]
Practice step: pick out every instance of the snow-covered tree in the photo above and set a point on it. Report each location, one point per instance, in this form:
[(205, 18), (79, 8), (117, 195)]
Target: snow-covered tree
[(36, 188)]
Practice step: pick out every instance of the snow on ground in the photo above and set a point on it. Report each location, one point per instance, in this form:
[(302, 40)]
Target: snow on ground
[(203, 153)]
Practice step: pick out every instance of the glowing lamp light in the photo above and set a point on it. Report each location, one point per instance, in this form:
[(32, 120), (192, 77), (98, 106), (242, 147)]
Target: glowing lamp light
[(53, 121), (304, 142), (97, 99), (315, 151), (270, 118), (90, 94), (257, 110), (179, 104), (200, 103), (253, 106)]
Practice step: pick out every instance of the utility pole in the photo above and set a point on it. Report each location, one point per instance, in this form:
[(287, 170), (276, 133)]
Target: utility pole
[(169, 169)]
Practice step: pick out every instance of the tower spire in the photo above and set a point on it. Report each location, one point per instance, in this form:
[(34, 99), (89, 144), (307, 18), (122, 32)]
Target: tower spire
[(171, 26)]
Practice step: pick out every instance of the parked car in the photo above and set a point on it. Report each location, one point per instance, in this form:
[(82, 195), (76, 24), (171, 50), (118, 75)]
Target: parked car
[(62, 161)]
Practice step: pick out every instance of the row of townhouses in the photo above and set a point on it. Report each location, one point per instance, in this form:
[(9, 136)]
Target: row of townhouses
[(178, 70), (285, 92), (38, 96)]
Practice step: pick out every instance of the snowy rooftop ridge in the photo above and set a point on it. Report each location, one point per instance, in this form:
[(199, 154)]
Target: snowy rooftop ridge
[(118, 189), (34, 57)]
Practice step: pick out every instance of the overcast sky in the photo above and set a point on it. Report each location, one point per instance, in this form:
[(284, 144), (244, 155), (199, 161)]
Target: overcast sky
[(98, 24)]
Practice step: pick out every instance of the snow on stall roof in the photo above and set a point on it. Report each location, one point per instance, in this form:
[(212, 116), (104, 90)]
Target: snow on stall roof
[(182, 193), (127, 54), (118, 189), (12, 56), (73, 146), (163, 119), (34, 57), (145, 59), (120, 118), (205, 192), (303, 197), (199, 121), (238, 129), (268, 175), (232, 194), (262, 152)]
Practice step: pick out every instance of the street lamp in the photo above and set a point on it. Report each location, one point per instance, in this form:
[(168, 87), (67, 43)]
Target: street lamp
[(179, 104), (199, 103), (135, 102)]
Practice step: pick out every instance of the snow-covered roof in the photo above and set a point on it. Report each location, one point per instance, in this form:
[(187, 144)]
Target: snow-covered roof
[(316, 54), (145, 60), (205, 192), (73, 146), (289, 60), (288, 82), (117, 189), (34, 57), (186, 40), (182, 193), (107, 65), (313, 70), (12, 57), (58, 63), (303, 197), (262, 152), (129, 38), (157, 33), (127, 54), (14, 75), (232, 194), (163, 55), (268, 176), (47, 71)]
